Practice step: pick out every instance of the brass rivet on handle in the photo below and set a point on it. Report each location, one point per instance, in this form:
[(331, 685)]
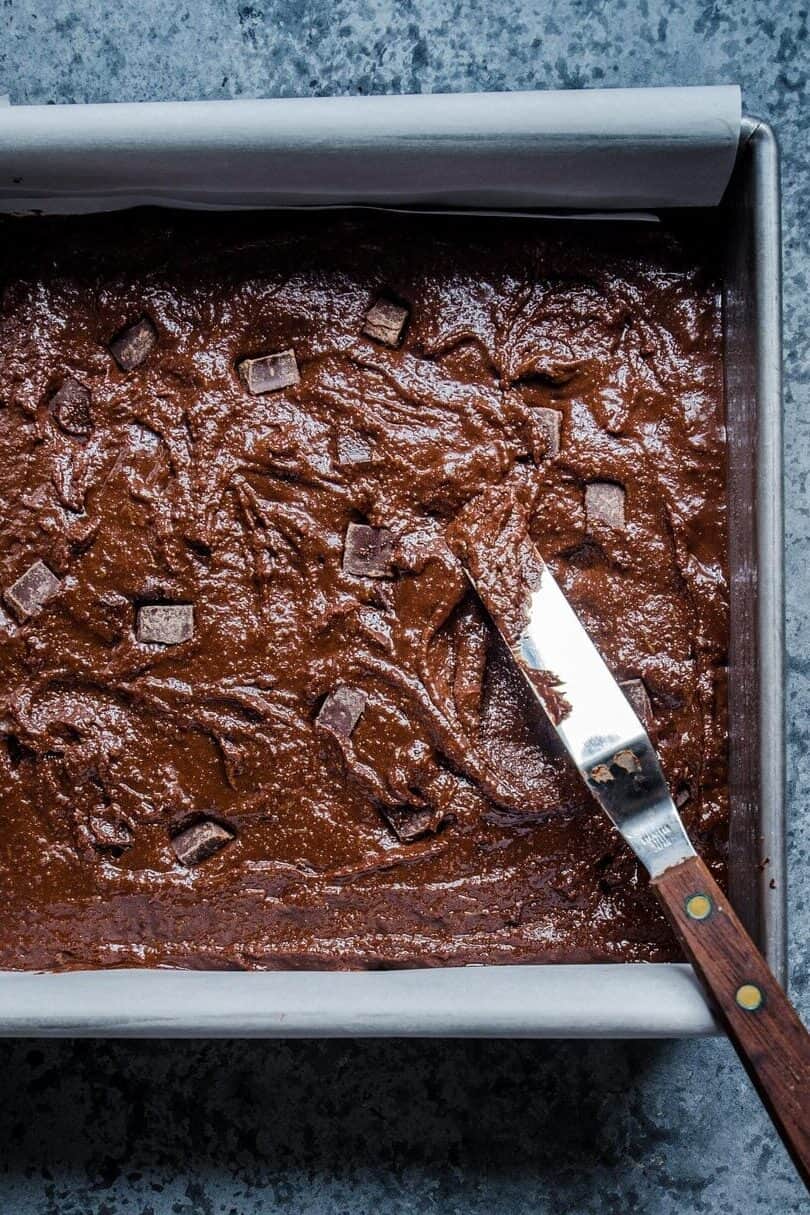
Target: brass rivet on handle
[(698, 907), (749, 997)]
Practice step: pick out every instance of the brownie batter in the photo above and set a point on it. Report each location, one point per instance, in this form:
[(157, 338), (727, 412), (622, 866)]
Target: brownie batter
[(252, 713)]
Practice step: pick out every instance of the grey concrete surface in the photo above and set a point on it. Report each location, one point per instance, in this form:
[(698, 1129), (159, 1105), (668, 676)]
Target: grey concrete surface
[(475, 1128)]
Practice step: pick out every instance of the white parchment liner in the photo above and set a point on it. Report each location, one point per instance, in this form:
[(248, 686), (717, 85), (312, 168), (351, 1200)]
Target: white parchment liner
[(600, 148)]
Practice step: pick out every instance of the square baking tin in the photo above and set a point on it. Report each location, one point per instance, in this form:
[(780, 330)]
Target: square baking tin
[(615, 1000)]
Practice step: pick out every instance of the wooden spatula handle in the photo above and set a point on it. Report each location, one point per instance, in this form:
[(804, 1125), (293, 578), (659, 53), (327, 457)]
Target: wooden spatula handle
[(757, 1015)]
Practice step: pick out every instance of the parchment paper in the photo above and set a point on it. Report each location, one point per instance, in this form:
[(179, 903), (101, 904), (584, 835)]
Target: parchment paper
[(594, 149)]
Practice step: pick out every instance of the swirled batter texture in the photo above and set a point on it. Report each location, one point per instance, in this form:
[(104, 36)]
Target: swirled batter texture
[(252, 714)]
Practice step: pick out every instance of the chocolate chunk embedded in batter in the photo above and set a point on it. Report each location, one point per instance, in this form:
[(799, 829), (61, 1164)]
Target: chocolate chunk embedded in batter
[(133, 345), (341, 711), (109, 836), (270, 373), (636, 692), (368, 551), (200, 841), (385, 322), (604, 504), (32, 590), (411, 824), (353, 451), (682, 796), (165, 623), (549, 423), (70, 405)]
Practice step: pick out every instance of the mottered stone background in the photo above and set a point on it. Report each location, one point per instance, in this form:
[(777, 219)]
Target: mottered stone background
[(474, 1128)]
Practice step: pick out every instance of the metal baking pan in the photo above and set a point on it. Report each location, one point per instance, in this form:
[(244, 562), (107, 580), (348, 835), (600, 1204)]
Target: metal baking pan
[(671, 148)]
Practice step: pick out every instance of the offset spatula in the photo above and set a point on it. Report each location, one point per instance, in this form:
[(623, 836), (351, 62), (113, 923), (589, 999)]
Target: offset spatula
[(616, 759)]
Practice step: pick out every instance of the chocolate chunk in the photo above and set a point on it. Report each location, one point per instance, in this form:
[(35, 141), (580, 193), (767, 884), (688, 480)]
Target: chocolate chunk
[(604, 503), (7, 626), (270, 372), (131, 346), (409, 824), (682, 796), (549, 423), (555, 371), (166, 623), (352, 451), (636, 692), (341, 711), (29, 594), (377, 627), (368, 551), (71, 407), (110, 836), (385, 322), (200, 841)]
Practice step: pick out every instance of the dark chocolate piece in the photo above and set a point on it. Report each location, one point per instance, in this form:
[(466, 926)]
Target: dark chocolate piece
[(409, 824), (550, 426), (368, 551), (32, 590), (377, 628), (604, 504), (636, 692), (200, 841), (133, 345), (682, 796), (341, 711), (385, 322), (110, 836), (71, 407), (352, 451), (556, 371), (270, 373), (166, 623)]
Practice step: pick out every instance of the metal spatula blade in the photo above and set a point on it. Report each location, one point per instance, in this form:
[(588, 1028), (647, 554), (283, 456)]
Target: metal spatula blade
[(597, 725)]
